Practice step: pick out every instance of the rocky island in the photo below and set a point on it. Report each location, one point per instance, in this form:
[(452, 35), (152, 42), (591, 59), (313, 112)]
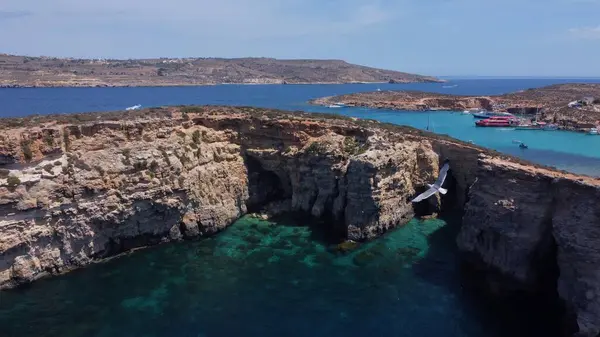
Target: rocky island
[(24, 71), (80, 188), (550, 104)]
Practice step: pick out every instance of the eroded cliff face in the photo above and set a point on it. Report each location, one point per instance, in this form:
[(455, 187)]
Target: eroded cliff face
[(74, 193), (537, 230)]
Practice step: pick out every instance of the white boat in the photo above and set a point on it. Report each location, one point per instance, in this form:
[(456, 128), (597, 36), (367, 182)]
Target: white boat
[(135, 107), (550, 127), (333, 106), (593, 131), (484, 114)]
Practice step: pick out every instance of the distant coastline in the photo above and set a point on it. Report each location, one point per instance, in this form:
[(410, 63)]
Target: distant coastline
[(150, 85), (550, 104), (42, 72)]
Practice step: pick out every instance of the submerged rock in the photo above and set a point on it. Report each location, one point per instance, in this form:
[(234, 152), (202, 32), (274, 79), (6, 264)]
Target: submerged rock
[(346, 246), (364, 258)]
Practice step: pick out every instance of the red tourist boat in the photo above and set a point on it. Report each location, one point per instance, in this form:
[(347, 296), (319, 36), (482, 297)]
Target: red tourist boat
[(498, 121)]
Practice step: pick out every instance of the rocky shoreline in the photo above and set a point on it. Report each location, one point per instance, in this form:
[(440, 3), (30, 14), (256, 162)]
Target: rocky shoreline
[(550, 104), (80, 188)]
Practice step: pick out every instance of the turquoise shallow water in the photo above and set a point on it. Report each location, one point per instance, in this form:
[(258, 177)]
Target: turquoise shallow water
[(266, 279)]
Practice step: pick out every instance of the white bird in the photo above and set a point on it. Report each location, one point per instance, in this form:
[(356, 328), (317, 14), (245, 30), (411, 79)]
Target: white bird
[(436, 187)]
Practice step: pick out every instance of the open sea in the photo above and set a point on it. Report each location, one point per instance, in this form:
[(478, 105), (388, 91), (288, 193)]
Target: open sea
[(283, 278)]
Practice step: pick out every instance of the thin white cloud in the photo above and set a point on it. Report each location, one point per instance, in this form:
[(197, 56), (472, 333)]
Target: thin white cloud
[(222, 18), (587, 33)]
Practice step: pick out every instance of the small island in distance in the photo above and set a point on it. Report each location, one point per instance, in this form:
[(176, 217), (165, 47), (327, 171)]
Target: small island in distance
[(25, 71), (550, 104)]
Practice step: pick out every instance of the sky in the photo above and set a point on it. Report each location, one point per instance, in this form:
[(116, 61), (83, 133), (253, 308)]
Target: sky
[(432, 37)]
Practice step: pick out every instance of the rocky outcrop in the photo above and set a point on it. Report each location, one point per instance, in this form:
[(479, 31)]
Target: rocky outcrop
[(72, 194), (536, 230), (75, 192), (108, 194)]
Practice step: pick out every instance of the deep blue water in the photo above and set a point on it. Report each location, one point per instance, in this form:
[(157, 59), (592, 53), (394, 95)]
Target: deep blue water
[(570, 151), (25, 101)]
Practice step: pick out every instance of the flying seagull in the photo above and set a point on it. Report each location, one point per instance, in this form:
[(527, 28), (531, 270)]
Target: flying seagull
[(436, 187)]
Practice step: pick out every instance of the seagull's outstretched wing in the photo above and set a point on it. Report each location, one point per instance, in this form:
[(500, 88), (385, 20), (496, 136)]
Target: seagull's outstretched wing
[(443, 173), (425, 194)]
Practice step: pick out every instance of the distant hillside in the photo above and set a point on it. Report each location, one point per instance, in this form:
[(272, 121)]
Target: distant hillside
[(23, 71)]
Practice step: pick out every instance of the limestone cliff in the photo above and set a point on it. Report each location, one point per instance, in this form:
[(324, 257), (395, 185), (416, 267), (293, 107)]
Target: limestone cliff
[(78, 188), (71, 194), (540, 229)]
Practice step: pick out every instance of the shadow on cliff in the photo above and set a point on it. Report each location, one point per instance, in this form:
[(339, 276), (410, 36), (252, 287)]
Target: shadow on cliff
[(264, 186), (510, 314), (272, 191)]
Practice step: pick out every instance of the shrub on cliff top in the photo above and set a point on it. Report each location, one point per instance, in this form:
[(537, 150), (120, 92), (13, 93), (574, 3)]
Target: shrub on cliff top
[(13, 182), (192, 109), (49, 139), (67, 140), (26, 148), (48, 168), (196, 136), (316, 148), (354, 147), (153, 166)]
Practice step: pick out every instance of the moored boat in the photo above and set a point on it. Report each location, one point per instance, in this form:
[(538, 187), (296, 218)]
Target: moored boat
[(497, 121), (530, 126), (550, 127), (593, 131), (489, 114)]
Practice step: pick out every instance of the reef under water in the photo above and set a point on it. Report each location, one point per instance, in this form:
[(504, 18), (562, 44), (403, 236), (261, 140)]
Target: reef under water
[(283, 278)]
